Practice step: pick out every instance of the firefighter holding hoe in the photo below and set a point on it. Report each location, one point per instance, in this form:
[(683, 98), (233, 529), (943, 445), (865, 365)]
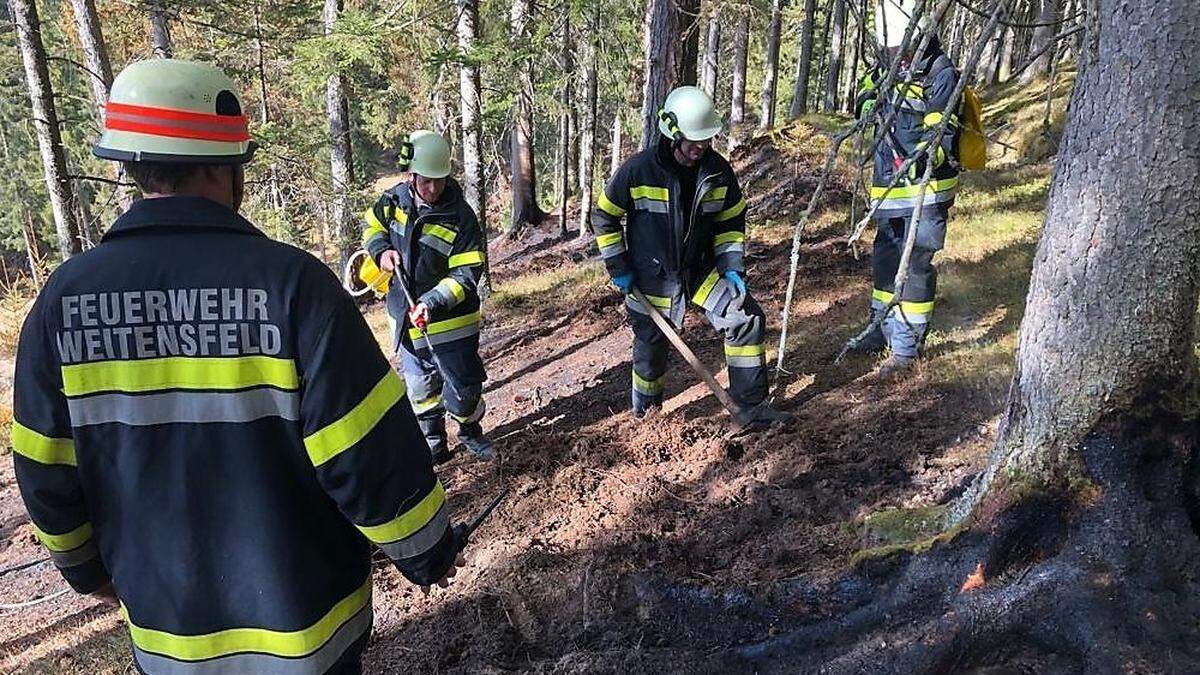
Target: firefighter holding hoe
[(423, 231), (682, 241), (205, 429)]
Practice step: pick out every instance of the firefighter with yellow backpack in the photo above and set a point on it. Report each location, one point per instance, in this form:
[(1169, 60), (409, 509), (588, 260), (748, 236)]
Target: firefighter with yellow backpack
[(919, 108)]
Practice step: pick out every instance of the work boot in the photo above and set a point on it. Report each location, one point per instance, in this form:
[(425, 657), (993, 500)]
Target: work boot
[(471, 436), (896, 366), (873, 342)]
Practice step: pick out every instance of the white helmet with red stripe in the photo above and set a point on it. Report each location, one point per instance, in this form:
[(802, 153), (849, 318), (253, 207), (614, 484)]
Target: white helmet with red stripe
[(167, 110)]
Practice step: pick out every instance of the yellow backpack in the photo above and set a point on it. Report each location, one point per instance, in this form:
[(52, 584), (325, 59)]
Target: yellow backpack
[(972, 144)]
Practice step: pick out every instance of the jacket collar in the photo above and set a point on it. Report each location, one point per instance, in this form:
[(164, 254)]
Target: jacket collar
[(181, 212), (449, 205)]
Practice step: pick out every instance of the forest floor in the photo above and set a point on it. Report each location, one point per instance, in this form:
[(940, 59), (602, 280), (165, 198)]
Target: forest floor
[(652, 545)]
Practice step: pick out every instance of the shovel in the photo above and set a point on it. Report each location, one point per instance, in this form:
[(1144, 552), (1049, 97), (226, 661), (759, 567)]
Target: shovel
[(744, 419)]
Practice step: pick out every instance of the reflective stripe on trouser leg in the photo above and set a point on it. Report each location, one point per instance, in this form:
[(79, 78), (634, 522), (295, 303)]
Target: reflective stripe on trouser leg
[(741, 321), (649, 363), (906, 326), (425, 393), (465, 403)]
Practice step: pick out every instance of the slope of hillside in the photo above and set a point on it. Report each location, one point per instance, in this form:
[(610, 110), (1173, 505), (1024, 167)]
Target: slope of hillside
[(652, 545)]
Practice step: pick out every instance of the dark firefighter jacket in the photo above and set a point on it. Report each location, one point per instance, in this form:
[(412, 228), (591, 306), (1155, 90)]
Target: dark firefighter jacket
[(921, 107), (441, 257), (666, 240), (203, 416)]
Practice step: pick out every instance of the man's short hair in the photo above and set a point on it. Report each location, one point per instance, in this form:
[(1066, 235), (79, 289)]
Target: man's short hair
[(162, 177)]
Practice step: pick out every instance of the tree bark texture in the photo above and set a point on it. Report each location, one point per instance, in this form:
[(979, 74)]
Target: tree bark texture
[(804, 61), (100, 76), (712, 54), (741, 39), (614, 155), (45, 118), (1110, 313), (341, 166), (160, 32), (525, 208), (470, 105), (670, 45), (1047, 13), (587, 130), (836, 49), (564, 125), (766, 119)]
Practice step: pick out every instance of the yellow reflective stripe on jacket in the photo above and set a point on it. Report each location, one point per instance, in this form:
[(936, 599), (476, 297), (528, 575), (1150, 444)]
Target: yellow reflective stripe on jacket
[(729, 238), (468, 258), (732, 212), (447, 325), (293, 644), (180, 372), (40, 448), (374, 227), (410, 521), (444, 233), (716, 194), (706, 288), (658, 194), (60, 543), (454, 288), (337, 437), (905, 191), (608, 239), (606, 205), (747, 350)]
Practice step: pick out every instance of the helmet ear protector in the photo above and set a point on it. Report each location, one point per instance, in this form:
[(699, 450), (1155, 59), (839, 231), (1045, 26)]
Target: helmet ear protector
[(406, 154), (671, 121)]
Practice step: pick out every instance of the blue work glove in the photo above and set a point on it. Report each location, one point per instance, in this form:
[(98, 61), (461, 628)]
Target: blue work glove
[(624, 282), (735, 277)]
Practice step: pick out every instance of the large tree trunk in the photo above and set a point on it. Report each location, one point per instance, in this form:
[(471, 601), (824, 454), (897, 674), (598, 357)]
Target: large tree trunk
[(1004, 72), (771, 77), (341, 166), (160, 32), (670, 42), (712, 53), (1079, 529), (804, 61), (45, 117), (741, 40), (1047, 13), (525, 208), (100, 76), (474, 190), (836, 47), (587, 130)]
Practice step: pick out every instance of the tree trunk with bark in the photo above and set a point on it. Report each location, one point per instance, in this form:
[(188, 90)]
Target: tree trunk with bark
[(766, 119), (804, 61), (836, 47), (564, 125), (471, 107), (712, 53), (525, 208), (160, 32), (341, 165), (1047, 13), (46, 124), (670, 46), (100, 76), (615, 144), (1080, 534), (741, 40), (587, 129)]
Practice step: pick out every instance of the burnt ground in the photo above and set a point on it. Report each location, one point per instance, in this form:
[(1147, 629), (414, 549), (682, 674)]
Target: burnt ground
[(638, 546)]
